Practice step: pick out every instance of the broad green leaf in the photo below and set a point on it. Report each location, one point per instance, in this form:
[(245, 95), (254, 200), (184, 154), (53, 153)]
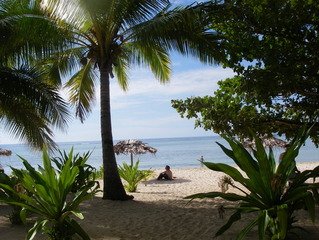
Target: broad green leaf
[(282, 215), (34, 230), (51, 205), (243, 232), (50, 174), (295, 194), (287, 164), (31, 202), (249, 166), (41, 191), (230, 154), (266, 165), (233, 218), (23, 215), (32, 172), (78, 229), (272, 160), (229, 170), (234, 174), (263, 224), (310, 206), (78, 214)]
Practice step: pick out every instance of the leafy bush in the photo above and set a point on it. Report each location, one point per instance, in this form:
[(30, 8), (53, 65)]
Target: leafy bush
[(132, 175), (51, 198), (14, 183), (273, 192), (86, 172), (99, 173)]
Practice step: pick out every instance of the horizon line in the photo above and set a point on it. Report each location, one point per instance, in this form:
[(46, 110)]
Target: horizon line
[(116, 140)]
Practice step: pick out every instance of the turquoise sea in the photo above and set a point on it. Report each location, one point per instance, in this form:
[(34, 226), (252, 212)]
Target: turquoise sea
[(176, 152)]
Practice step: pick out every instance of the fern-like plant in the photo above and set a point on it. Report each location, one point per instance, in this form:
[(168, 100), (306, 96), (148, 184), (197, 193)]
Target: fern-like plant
[(86, 174), (132, 175), (51, 198), (14, 183)]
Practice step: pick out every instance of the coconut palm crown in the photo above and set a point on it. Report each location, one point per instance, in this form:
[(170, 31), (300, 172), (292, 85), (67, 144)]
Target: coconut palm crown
[(30, 106), (109, 36)]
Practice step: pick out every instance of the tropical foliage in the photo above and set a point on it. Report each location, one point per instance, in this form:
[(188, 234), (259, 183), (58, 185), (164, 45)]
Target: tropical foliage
[(86, 172), (108, 37), (30, 105), (133, 176), (271, 47), (14, 183), (24, 95), (51, 199), (273, 192), (99, 173)]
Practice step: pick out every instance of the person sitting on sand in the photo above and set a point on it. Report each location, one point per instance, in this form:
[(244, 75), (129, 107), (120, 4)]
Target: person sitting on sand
[(167, 174)]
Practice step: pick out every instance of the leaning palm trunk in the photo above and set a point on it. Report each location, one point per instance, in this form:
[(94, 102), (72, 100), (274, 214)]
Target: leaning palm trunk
[(113, 187)]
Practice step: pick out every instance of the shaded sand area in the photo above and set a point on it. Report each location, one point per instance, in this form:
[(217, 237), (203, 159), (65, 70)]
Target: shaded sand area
[(160, 212)]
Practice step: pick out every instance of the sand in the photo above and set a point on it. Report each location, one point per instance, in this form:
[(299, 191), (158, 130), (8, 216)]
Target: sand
[(160, 212)]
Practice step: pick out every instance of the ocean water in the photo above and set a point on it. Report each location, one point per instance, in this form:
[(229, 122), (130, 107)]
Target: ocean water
[(176, 152)]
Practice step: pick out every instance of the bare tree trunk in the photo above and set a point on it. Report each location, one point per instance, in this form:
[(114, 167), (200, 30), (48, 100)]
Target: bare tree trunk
[(113, 188)]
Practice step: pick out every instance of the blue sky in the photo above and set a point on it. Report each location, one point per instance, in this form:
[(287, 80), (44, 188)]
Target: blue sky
[(145, 111)]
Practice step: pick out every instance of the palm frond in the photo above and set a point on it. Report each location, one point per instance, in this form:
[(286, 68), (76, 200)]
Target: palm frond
[(70, 12), (135, 12), (36, 132), (29, 106), (22, 42), (81, 88), (179, 29), (154, 56), (121, 67), (62, 65)]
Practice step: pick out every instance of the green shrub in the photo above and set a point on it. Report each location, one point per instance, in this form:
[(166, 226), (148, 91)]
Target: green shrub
[(274, 192), (86, 171), (51, 198), (99, 173), (132, 175), (14, 183)]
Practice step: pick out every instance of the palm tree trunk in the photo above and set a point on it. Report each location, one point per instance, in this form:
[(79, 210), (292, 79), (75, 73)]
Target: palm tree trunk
[(113, 188)]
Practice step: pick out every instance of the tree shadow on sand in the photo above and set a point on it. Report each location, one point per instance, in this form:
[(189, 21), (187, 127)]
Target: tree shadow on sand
[(166, 219), (156, 220), (138, 219), (174, 181)]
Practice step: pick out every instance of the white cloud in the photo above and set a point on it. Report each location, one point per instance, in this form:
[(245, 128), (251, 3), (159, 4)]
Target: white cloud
[(156, 127), (189, 83)]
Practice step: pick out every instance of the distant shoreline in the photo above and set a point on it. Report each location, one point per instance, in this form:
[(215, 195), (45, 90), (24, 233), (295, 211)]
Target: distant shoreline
[(116, 140), (302, 165)]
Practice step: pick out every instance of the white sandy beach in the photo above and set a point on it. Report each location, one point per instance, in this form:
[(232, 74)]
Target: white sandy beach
[(160, 212)]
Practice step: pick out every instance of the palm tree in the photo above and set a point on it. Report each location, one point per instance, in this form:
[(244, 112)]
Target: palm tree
[(30, 106), (108, 37)]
